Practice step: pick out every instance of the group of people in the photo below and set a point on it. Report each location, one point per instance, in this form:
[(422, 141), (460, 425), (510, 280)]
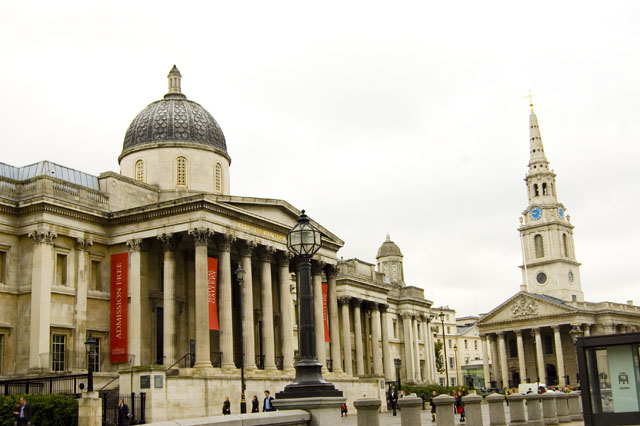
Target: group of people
[(22, 413), (267, 404)]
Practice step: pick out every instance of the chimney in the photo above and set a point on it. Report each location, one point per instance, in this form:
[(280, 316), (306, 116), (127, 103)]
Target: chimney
[(523, 287), (630, 302)]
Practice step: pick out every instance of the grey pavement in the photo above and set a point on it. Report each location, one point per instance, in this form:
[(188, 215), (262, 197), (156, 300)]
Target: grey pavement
[(387, 419)]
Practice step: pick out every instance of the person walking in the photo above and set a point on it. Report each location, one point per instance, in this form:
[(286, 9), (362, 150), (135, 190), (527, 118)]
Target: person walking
[(255, 404), (433, 406), (226, 406), (460, 406), (393, 399), (123, 413), (268, 402), (24, 413)]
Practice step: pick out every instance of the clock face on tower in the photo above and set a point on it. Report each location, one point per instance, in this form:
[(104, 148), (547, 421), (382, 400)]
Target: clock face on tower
[(535, 213), (560, 212)]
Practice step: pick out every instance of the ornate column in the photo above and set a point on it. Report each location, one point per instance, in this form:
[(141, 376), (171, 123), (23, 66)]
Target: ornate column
[(169, 244), (84, 272), (366, 307), (248, 336), (201, 240), (334, 328), (495, 360), (225, 275), (386, 349), (542, 376), (268, 340), (344, 302), (138, 292), (416, 349), (426, 371), (318, 313), (485, 361), (522, 364), (357, 335), (286, 312), (375, 341), (562, 378), (408, 347), (504, 368)]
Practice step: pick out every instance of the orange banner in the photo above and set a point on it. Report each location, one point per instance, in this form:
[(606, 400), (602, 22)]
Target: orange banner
[(119, 312), (325, 312), (212, 280)]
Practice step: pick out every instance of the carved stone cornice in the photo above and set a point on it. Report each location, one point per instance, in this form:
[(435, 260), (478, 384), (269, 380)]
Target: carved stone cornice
[(406, 315), (247, 247), (344, 300), (42, 236), (169, 241), (356, 302), (135, 245), (201, 236), (382, 307), (84, 244)]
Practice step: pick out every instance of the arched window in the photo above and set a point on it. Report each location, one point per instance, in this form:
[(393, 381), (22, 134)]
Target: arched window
[(535, 190), (544, 189), (140, 171), (537, 240), (181, 171), (218, 178), (565, 248)]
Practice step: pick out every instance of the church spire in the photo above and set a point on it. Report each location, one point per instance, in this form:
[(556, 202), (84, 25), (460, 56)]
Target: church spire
[(174, 78)]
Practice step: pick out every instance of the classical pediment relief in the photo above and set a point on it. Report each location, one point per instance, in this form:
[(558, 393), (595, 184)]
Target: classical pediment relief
[(524, 306)]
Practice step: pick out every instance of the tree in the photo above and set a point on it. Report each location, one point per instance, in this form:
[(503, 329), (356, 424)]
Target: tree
[(439, 358)]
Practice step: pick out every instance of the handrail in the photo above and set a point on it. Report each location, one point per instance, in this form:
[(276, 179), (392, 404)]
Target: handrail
[(109, 382), (181, 358)]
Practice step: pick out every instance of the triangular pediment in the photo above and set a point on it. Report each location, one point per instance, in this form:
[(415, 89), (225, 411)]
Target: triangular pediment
[(525, 306)]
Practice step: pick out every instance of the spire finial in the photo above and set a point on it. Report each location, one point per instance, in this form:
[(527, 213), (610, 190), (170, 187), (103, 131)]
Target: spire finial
[(174, 80), (530, 97), (388, 237)]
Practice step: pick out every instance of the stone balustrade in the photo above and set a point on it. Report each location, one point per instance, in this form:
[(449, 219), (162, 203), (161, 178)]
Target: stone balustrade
[(549, 410), (516, 410), (288, 417), (496, 409), (444, 410), (534, 409), (574, 405), (473, 409)]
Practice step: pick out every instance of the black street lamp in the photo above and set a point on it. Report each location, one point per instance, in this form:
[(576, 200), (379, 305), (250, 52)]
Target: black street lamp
[(455, 351), (398, 363), (243, 402), (304, 240), (576, 332), (444, 345), (90, 345)]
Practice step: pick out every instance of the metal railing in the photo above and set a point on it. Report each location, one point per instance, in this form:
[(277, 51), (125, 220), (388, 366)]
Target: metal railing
[(66, 385), (135, 402)]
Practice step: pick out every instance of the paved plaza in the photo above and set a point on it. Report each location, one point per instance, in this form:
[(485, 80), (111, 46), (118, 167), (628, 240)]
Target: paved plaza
[(387, 419)]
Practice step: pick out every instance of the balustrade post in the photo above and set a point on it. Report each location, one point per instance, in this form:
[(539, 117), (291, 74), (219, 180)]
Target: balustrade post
[(410, 410), (562, 407), (516, 410), (574, 405), (367, 409), (444, 410), (496, 409), (549, 411), (534, 409), (473, 409)]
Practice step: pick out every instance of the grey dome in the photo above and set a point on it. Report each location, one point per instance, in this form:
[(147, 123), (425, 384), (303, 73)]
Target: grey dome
[(174, 119), (388, 248)]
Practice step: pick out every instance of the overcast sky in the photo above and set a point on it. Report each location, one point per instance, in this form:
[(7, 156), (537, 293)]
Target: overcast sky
[(407, 118)]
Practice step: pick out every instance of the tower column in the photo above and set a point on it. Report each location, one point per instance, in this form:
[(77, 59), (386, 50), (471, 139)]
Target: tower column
[(522, 364), (318, 314), (84, 272), (408, 346), (562, 378), (248, 336), (495, 360), (416, 349), (334, 328), (286, 312), (485, 361), (346, 335), (366, 307), (375, 341), (139, 294), (504, 369), (542, 375), (386, 349), (201, 239), (426, 371), (226, 309), (169, 244), (357, 331), (268, 341)]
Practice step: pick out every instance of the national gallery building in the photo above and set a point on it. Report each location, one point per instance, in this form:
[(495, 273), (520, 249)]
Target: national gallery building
[(145, 262)]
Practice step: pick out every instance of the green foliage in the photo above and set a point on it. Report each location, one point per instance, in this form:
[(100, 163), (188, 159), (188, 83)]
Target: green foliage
[(427, 390), (48, 410), (439, 358)]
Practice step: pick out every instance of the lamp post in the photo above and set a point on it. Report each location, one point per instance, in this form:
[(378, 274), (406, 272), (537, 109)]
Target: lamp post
[(455, 351), (576, 332), (243, 402), (444, 346), (90, 345), (398, 363), (304, 240)]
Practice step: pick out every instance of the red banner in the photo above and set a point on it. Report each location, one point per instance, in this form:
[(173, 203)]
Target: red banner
[(325, 312), (119, 312), (212, 280)]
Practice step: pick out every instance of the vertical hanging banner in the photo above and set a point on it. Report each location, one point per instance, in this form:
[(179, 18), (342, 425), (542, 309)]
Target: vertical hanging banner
[(119, 308), (325, 315), (212, 281)]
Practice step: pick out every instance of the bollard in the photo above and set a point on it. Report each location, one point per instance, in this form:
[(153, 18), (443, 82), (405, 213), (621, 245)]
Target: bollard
[(410, 410), (549, 411), (496, 409), (444, 410), (534, 410), (562, 407), (516, 410), (574, 405), (473, 410), (367, 411)]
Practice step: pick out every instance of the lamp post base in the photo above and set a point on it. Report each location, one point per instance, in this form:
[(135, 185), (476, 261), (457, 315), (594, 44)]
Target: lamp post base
[(309, 383)]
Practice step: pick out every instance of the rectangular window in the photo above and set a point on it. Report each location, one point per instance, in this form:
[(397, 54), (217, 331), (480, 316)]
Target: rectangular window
[(448, 330), (441, 381), (1, 353), (451, 362), (95, 276), (61, 269), (418, 329), (465, 345), (466, 360), (3, 267), (395, 329), (450, 345), (475, 345), (58, 352), (453, 381), (94, 356)]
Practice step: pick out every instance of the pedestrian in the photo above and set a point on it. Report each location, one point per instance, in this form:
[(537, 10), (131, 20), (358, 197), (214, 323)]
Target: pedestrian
[(16, 413), (423, 398), (460, 406), (268, 402), (506, 395), (393, 399), (24, 413), (123, 413), (226, 406), (255, 404), (433, 406), (343, 409)]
